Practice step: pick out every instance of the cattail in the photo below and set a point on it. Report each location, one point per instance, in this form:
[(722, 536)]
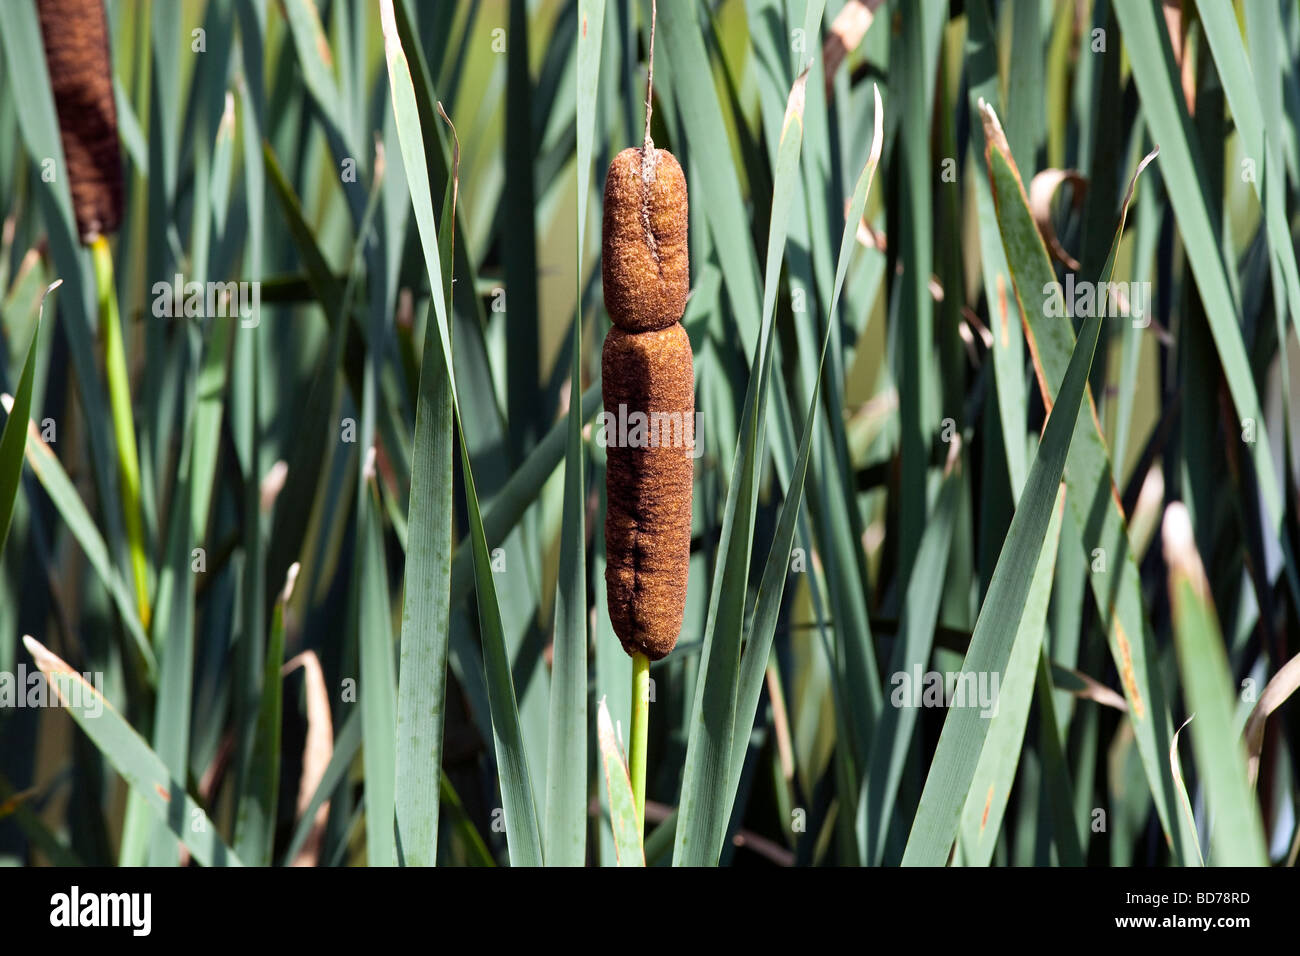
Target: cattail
[(648, 382), (648, 485), (76, 49), (647, 372), (645, 265), (75, 35)]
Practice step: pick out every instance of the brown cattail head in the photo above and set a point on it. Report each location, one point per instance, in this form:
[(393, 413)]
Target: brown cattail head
[(648, 484), (76, 50), (645, 264)]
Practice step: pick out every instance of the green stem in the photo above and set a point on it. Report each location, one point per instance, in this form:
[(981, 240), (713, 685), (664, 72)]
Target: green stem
[(640, 734), (119, 398)]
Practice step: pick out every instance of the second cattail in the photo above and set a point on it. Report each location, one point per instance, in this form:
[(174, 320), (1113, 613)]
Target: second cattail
[(646, 368), (75, 33)]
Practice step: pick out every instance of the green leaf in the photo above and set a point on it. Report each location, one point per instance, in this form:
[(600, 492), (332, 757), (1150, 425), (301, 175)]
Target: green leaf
[(566, 751), (1090, 498), (964, 730), (426, 605), (119, 399), (1156, 76), (522, 832), (1237, 837), (173, 630), (258, 809), (13, 440), (50, 473), (912, 64), (1008, 338), (139, 766), (378, 683), (892, 739), (704, 810), (622, 804), (995, 773), (767, 607), (1248, 112)]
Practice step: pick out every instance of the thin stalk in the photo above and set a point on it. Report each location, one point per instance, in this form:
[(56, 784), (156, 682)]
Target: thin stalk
[(641, 663), (640, 734), (119, 398)]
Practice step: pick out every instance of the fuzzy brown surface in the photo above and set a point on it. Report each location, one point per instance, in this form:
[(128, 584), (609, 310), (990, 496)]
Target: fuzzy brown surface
[(76, 50), (648, 522), (645, 262)]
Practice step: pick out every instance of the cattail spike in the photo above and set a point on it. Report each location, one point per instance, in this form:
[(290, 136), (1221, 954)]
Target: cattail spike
[(75, 33), (645, 262), (648, 378)]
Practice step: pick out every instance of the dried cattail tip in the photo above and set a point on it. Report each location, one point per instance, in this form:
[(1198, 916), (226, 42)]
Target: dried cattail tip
[(648, 484), (645, 265), (76, 50)]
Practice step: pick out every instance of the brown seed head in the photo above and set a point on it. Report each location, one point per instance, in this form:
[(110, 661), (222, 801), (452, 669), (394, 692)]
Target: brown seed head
[(645, 264), (648, 523), (76, 50)]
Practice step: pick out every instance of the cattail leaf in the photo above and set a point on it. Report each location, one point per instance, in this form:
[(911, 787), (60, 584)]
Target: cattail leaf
[(13, 440), (1008, 338), (1165, 111), (835, 513), (426, 602), (54, 479), (141, 768), (522, 831), (964, 730), (1254, 92), (892, 738), (256, 830), (1060, 790), (622, 805), (26, 70), (913, 69), (173, 628), (1180, 780), (1237, 835), (377, 686), (1279, 688), (347, 743), (1115, 583), (566, 751), (120, 407), (754, 661), (313, 51), (704, 805), (995, 773)]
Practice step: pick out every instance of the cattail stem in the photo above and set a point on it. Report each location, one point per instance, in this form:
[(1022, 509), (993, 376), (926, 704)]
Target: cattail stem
[(649, 145), (640, 734), (119, 399)]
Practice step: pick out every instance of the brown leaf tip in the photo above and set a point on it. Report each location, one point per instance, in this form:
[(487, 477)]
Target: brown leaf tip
[(993, 133), (1180, 547)]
